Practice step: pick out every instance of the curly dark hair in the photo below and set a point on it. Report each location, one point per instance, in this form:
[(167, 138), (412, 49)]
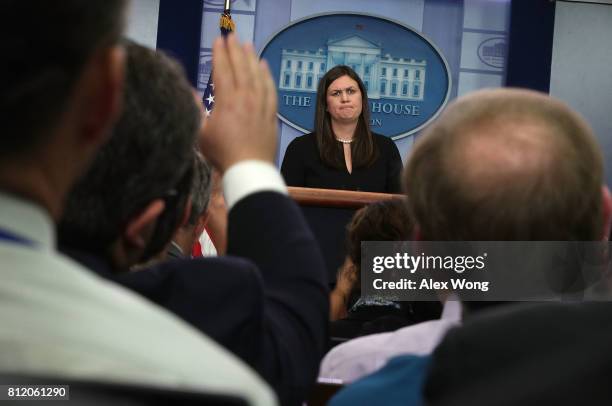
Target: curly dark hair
[(387, 220)]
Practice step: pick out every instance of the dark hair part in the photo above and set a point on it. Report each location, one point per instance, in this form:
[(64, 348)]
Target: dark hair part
[(364, 150), (45, 46), (201, 188), (507, 164), (149, 156)]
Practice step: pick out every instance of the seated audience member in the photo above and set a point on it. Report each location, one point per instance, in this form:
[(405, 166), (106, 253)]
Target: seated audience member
[(361, 356), (530, 170), (269, 306), (188, 233), (60, 92), (545, 354), (354, 316)]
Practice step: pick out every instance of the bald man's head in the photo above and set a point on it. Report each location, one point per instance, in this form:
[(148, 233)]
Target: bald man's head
[(507, 164)]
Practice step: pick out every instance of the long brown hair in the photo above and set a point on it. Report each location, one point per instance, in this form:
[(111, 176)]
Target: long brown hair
[(364, 151)]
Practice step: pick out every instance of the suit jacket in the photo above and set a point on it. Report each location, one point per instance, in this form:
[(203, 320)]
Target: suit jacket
[(556, 353), (267, 301)]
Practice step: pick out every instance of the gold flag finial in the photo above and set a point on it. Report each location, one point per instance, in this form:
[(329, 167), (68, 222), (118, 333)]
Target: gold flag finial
[(226, 22)]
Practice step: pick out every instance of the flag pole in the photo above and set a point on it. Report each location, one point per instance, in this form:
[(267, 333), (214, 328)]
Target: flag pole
[(226, 24)]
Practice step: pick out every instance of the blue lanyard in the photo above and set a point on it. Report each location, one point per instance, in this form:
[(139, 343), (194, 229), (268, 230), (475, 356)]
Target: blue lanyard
[(14, 238)]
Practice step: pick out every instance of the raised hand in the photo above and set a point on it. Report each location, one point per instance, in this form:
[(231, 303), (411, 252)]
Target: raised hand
[(243, 124)]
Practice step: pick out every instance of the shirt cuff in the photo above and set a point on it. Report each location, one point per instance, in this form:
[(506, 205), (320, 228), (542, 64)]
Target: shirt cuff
[(248, 177)]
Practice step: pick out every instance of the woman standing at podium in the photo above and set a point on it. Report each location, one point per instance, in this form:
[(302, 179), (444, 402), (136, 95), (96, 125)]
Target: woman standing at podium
[(343, 153)]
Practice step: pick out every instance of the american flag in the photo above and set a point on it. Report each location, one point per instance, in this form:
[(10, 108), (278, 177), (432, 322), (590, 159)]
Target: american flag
[(226, 24)]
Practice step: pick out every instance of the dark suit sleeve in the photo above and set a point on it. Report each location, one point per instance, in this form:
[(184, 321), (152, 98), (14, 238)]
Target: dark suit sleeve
[(394, 168), (293, 168), (268, 228), (196, 290)]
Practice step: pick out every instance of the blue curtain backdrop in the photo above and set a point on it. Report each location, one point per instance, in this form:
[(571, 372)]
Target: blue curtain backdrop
[(178, 32)]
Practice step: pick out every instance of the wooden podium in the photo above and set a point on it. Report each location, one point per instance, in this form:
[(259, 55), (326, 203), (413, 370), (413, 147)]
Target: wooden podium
[(328, 212)]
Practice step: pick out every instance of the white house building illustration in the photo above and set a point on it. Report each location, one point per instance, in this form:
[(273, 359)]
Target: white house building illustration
[(384, 76)]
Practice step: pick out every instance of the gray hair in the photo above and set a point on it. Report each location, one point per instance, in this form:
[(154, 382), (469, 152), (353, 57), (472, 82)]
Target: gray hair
[(201, 188), (149, 156)]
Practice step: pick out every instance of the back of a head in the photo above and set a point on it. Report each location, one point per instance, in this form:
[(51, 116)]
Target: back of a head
[(45, 46), (149, 156), (201, 188), (387, 220), (507, 164)]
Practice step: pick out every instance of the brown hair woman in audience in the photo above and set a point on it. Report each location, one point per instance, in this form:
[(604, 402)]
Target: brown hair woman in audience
[(342, 152), (352, 316)]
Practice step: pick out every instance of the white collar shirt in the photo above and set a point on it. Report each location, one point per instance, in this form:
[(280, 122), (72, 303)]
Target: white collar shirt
[(60, 319), (364, 355)]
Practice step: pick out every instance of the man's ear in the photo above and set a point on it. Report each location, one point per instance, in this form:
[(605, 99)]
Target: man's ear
[(186, 213), (100, 94), (606, 212), (140, 228)]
